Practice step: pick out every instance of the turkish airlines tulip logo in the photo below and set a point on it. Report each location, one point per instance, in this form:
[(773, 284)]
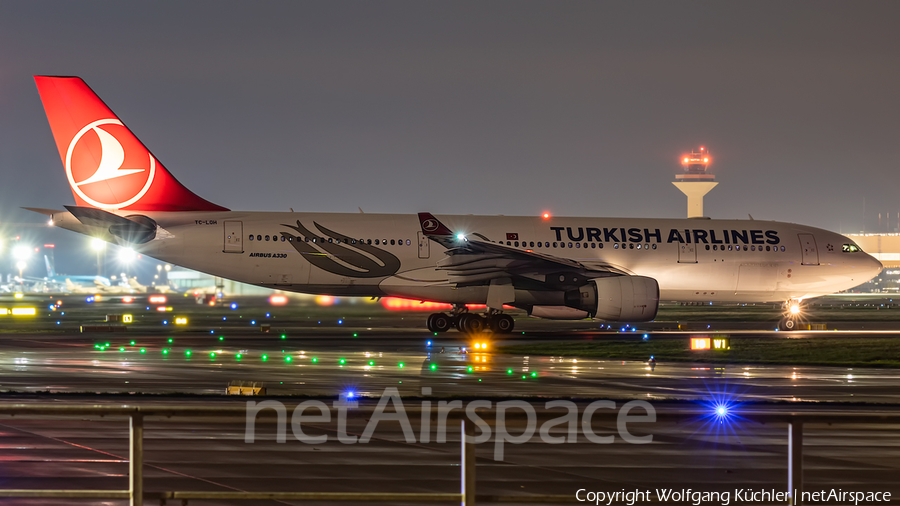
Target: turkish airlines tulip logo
[(100, 157)]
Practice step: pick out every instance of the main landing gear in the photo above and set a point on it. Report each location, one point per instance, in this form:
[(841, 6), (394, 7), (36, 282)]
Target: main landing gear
[(470, 323), (791, 315)]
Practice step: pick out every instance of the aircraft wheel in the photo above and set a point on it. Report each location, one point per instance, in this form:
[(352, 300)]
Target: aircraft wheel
[(502, 324), (440, 322), (788, 324), (429, 322), (470, 323)]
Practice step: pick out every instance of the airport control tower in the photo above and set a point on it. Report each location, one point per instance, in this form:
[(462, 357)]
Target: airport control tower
[(695, 182)]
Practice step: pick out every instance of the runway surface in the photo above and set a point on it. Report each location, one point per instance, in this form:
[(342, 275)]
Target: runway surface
[(329, 365), (333, 352)]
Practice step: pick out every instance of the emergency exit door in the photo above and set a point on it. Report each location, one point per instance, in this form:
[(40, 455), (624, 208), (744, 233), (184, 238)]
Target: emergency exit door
[(808, 249), (424, 246), (687, 253), (234, 237)]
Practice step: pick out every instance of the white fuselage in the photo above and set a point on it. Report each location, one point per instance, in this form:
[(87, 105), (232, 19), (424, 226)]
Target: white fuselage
[(692, 259)]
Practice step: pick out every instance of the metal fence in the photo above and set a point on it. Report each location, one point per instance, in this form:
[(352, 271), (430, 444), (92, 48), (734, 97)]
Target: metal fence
[(466, 495)]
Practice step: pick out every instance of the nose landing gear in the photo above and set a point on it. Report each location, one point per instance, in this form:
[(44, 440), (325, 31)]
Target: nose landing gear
[(792, 312)]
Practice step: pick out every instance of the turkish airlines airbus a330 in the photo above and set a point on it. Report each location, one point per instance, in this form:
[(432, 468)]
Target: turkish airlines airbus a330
[(615, 269)]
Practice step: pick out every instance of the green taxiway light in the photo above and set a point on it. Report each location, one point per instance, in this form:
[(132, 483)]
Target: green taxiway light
[(165, 351), (212, 354), (315, 360), (132, 343), (221, 338), (433, 367), (265, 357), (283, 336), (509, 371), (97, 346), (121, 348), (106, 345), (188, 353), (400, 365), (523, 376), (534, 374), (371, 362), (287, 358), (354, 334), (170, 340), (471, 368), (143, 350), (479, 379), (342, 361)]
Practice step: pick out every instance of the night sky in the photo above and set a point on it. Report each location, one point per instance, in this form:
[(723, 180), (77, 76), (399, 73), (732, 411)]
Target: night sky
[(579, 108)]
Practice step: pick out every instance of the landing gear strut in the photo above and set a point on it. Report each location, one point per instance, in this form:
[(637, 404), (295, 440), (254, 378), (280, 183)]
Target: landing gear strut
[(470, 323), (791, 315)]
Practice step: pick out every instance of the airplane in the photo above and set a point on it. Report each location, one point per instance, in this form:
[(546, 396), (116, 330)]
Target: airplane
[(52, 276), (614, 269)]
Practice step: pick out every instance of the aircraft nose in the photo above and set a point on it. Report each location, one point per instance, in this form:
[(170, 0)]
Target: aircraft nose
[(874, 266)]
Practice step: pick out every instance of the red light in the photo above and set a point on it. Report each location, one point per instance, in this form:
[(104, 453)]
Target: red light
[(49, 245), (701, 148), (128, 299), (158, 299), (546, 216), (278, 300)]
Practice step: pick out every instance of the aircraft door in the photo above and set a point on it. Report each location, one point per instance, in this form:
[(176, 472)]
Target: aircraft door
[(424, 246), (234, 237), (687, 253), (809, 249)]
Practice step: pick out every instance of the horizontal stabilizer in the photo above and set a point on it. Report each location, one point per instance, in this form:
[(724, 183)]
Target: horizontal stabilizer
[(134, 229)]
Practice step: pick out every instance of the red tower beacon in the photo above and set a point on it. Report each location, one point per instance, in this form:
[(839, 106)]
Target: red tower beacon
[(695, 165)]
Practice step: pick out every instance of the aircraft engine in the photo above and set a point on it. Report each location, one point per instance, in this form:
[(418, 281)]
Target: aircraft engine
[(139, 230), (617, 298)]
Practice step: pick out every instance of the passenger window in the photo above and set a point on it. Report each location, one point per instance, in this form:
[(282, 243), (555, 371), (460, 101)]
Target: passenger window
[(593, 245), (554, 245), (616, 245), (638, 246), (516, 244), (577, 244), (707, 247), (570, 245), (654, 246), (258, 237), (267, 238), (767, 248), (407, 242), (631, 246), (782, 248), (377, 242), (392, 242), (601, 246), (532, 243), (251, 237)]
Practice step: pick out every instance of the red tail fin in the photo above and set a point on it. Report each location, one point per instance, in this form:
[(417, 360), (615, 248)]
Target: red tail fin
[(107, 166)]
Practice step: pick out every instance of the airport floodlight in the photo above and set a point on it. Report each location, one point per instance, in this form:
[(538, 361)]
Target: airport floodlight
[(21, 252), (98, 244), (168, 267), (21, 265)]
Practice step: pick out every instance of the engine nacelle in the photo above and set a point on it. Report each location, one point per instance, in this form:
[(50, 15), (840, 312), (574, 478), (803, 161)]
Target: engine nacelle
[(618, 298), (558, 313)]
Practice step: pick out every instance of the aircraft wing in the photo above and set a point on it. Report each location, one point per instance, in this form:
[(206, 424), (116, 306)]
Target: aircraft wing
[(475, 259)]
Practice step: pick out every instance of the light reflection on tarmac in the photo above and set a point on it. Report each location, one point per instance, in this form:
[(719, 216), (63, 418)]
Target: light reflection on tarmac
[(72, 363)]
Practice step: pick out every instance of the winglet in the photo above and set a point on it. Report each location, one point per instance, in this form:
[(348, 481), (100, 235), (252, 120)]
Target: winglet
[(432, 226)]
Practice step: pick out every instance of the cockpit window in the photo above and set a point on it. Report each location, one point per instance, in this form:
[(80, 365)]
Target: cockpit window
[(850, 248)]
